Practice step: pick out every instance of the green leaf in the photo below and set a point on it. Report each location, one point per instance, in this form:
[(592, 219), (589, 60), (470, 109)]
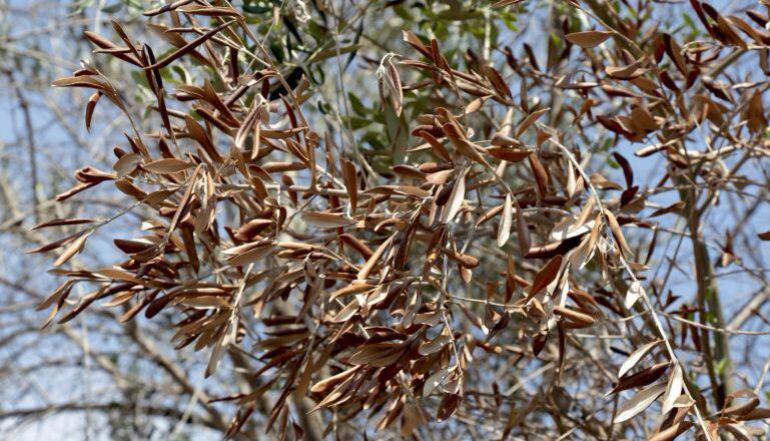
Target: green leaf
[(359, 123), (357, 105), (721, 366), (277, 50)]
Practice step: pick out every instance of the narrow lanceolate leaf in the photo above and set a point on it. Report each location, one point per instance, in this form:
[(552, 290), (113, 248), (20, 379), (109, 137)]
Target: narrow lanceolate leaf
[(392, 81), (377, 354), (506, 221), (629, 72), (634, 358), (628, 172), (168, 165), (673, 389), (672, 432), (641, 378), (588, 39), (374, 259), (103, 43), (522, 232), (62, 222), (351, 185), (435, 345), (184, 201), (215, 358), (448, 406), (90, 107), (765, 235), (58, 243), (353, 288), (571, 186), (197, 133), (188, 47), (456, 199), (326, 384), (635, 292), (508, 153), (530, 119), (540, 173), (574, 319), (638, 403), (435, 381), (72, 249), (211, 11), (249, 126), (617, 233), (546, 275), (246, 254), (327, 220)]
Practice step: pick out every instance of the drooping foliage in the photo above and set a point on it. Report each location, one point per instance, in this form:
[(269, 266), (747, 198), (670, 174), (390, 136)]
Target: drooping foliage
[(440, 243)]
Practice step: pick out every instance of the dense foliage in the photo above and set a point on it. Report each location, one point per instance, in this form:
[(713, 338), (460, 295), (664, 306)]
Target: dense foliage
[(386, 236)]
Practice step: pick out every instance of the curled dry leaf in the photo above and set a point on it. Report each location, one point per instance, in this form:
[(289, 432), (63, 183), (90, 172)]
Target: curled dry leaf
[(90, 107), (588, 39)]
